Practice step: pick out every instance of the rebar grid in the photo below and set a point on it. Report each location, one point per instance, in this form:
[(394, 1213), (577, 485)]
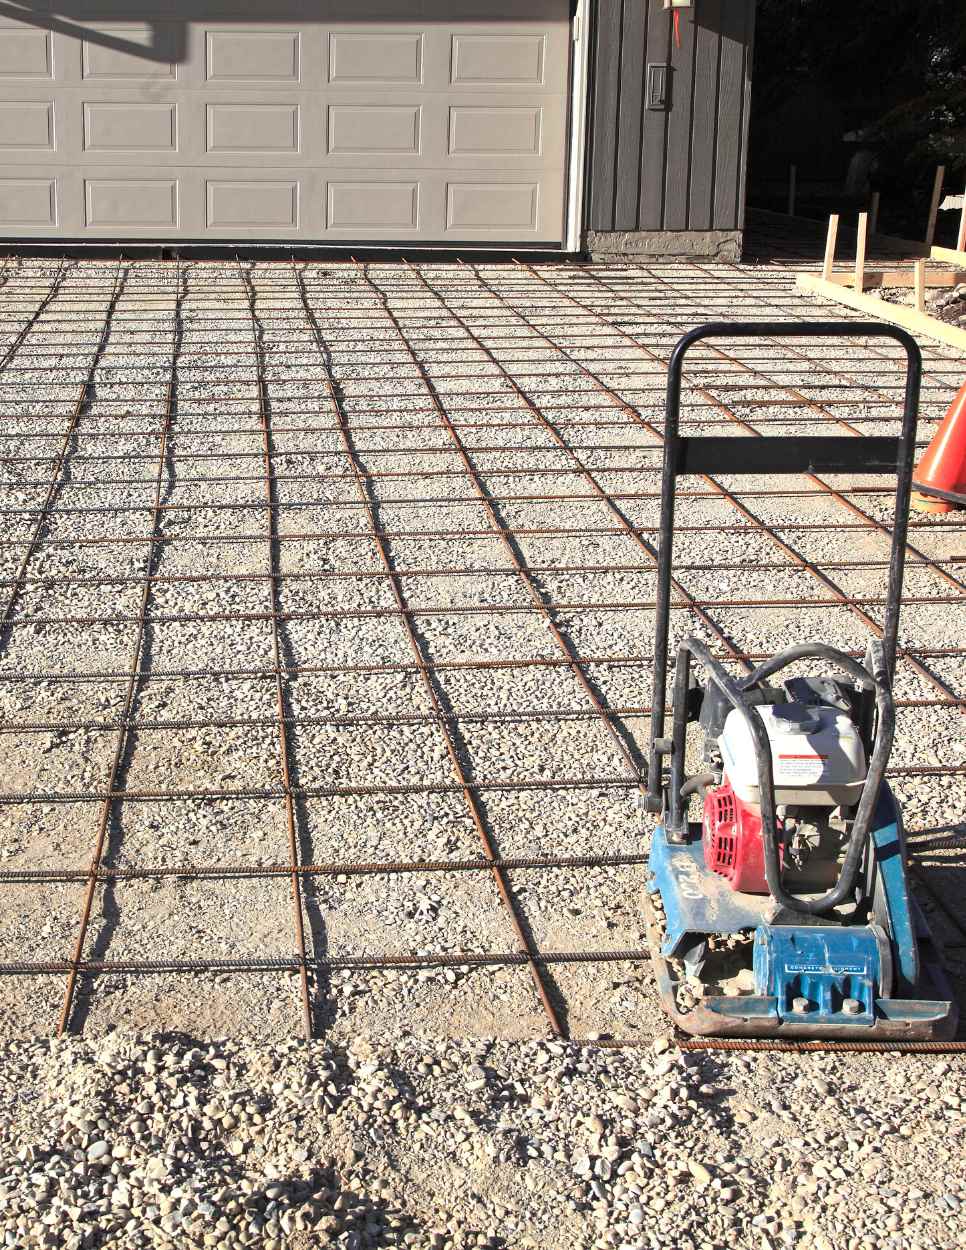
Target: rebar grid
[(267, 461)]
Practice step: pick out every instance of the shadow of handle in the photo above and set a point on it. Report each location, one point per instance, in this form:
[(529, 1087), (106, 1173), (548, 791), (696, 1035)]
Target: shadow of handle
[(169, 36)]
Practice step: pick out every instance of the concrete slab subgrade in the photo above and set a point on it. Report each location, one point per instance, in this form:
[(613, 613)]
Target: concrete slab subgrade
[(464, 642)]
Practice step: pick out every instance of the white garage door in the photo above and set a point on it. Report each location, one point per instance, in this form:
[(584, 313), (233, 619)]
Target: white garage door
[(399, 120)]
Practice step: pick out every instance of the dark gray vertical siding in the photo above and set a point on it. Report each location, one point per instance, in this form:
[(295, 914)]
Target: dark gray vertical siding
[(683, 168), (677, 163), (654, 143), (731, 87), (704, 113), (630, 108), (605, 99)]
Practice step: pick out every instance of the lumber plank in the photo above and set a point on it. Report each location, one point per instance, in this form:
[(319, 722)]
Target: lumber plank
[(880, 309), (937, 190), (860, 236), (949, 254), (919, 284), (829, 261), (901, 277)]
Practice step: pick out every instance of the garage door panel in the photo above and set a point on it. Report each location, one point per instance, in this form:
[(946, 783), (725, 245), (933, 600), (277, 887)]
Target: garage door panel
[(253, 56), (365, 58), (130, 53), (473, 207), (27, 203), (495, 130), (387, 209), (112, 126), (270, 128), (26, 126), (517, 58), (25, 54), (374, 130), (132, 204), (323, 121), (267, 204)]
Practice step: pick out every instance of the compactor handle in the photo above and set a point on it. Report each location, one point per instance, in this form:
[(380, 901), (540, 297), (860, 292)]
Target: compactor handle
[(826, 454)]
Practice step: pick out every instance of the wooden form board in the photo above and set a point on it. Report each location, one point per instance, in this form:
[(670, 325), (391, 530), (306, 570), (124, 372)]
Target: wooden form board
[(900, 277), (949, 255), (897, 314)]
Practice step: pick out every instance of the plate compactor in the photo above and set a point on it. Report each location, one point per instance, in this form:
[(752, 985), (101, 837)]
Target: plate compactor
[(786, 912)]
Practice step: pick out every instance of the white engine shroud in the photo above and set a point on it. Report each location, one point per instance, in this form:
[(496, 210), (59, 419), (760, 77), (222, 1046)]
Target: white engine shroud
[(816, 755)]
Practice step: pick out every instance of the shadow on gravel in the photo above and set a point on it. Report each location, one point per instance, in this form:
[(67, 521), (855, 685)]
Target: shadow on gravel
[(110, 914), (322, 1006), (937, 860), (422, 646)]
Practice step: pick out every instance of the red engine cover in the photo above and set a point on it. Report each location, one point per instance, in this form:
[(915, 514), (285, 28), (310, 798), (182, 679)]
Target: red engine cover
[(732, 840)]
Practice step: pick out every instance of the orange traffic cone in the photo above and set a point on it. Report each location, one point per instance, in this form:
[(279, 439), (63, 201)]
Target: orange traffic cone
[(944, 464)]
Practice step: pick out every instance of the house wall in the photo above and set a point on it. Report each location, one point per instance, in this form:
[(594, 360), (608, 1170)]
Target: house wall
[(669, 181)]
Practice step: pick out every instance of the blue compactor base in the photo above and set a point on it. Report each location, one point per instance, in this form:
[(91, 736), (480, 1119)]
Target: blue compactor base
[(786, 912)]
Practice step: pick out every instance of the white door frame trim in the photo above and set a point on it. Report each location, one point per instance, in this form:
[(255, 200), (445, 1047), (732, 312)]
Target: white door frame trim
[(576, 174)]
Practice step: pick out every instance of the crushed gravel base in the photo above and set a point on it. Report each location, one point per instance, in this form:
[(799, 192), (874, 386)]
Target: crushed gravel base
[(162, 1143), (400, 1128)]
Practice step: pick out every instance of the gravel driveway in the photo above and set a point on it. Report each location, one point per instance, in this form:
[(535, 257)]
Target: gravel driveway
[(327, 598)]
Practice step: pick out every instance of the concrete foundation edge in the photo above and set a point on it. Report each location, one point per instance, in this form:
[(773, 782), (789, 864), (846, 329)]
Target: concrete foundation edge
[(724, 245)]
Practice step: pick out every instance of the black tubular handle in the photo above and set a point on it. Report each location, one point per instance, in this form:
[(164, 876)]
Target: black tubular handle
[(874, 676), (809, 651), (777, 455)]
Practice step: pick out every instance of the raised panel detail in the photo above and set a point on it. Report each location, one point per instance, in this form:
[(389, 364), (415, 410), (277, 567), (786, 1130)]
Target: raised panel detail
[(498, 58), (257, 205), (26, 124), (375, 58), (130, 52), (28, 202), (359, 128), (130, 127), (132, 203), (25, 54), (372, 206), (253, 128), (252, 56), (491, 206), (493, 130)]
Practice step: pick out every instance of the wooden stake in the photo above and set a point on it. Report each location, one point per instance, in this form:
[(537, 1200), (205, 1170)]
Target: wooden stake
[(874, 215), (961, 237), (937, 190), (920, 285), (833, 229), (792, 179), (860, 238)]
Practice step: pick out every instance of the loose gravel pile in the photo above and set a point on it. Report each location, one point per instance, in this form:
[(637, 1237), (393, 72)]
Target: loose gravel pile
[(433, 1112), (946, 303), (477, 1144)]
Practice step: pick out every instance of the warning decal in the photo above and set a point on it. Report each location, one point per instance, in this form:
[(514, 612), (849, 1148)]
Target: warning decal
[(801, 768)]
